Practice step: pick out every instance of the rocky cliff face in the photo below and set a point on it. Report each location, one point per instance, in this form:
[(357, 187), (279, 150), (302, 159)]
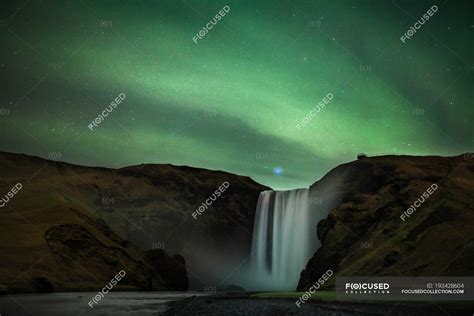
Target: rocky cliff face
[(365, 232), (162, 205), (70, 224), (58, 248)]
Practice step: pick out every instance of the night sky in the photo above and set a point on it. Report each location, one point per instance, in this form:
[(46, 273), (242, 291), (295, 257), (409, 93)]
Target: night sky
[(232, 101)]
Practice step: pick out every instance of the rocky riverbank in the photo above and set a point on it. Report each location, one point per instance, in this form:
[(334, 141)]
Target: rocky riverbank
[(243, 304)]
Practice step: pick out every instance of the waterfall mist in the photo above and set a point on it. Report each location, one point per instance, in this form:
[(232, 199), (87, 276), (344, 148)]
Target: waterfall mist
[(284, 239)]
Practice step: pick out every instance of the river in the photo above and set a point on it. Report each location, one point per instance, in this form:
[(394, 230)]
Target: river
[(76, 303)]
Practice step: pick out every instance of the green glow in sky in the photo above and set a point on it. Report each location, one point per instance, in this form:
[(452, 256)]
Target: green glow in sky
[(232, 100)]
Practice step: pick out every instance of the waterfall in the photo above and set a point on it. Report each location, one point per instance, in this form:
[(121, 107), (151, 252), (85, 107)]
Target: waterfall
[(284, 238)]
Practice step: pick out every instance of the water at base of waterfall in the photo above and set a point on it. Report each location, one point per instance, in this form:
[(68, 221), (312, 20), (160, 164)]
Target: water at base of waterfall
[(284, 239)]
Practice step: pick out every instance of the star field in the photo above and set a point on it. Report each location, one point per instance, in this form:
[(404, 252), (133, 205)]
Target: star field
[(232, 100)]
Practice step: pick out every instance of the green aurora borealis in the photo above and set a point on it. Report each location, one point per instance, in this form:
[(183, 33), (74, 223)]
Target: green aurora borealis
[(232, 100)]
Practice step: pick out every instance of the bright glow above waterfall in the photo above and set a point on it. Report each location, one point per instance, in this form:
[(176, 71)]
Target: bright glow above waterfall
[(232, 101)]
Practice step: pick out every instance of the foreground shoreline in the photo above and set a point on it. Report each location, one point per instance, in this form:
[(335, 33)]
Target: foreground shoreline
[(201, 303), (244, 304)]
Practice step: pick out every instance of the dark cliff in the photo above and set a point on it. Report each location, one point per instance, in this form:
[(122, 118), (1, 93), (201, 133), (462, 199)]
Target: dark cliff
[(78, 226), (365, 232)]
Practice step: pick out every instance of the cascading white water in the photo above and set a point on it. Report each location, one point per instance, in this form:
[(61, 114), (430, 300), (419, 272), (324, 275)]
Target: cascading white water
[(284, 238)]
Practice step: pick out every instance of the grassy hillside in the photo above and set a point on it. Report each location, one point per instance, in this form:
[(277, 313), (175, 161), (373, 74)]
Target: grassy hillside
[(149, 205), (364, 234)]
